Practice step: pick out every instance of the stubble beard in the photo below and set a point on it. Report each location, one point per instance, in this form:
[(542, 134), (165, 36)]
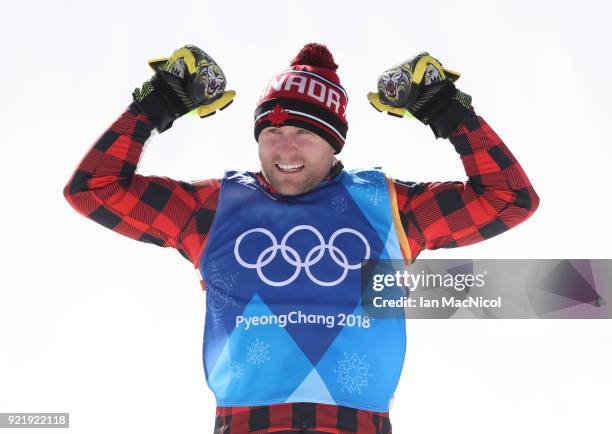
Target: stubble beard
[(308, 180)]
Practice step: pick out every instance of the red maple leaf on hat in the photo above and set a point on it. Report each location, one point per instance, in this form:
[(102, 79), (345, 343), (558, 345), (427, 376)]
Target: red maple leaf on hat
[(278, 115)]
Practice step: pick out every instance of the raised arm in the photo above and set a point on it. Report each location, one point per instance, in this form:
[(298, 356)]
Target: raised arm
[(496, 197), (158, 210), (106, 189)]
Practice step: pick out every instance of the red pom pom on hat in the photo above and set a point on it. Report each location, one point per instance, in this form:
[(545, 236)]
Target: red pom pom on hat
[(314, 54)]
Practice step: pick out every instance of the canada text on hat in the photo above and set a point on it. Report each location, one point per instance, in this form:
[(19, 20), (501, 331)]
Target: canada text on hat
[(307, 95), (308, 86)]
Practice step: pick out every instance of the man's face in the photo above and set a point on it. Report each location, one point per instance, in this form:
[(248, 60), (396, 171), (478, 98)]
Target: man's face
[(294, 160)]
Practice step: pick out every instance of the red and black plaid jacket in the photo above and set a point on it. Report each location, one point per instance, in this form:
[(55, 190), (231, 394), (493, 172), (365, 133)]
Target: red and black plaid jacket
[(170, 213)]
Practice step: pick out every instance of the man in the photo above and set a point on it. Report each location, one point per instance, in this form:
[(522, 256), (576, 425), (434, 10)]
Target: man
[(287, 348)]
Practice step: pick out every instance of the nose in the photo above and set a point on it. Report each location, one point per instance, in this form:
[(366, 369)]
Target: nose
[(287, 143)]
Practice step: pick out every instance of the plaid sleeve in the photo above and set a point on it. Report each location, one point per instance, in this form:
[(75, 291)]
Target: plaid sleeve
[(152, 209), (496, 197)]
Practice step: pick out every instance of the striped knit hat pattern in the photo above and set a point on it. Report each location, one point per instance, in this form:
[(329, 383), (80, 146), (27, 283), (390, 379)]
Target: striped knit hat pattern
[(308, 95)]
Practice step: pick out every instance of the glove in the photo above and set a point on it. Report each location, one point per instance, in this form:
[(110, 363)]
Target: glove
[(189, 80), (422, 88)]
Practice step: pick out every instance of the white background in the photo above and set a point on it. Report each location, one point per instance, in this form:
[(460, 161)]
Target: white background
[(110, 329)]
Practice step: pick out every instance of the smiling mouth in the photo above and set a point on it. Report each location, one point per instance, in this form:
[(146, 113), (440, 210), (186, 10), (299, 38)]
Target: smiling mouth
[(289, 168)]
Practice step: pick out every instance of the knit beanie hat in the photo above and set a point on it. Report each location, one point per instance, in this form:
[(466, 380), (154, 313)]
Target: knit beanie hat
[(308, 95)]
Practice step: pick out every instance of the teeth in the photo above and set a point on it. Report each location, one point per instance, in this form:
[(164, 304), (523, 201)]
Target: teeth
[(290, 166)]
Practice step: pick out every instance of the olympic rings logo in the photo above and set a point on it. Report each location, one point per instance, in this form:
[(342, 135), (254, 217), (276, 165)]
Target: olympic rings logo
[(290, 255)]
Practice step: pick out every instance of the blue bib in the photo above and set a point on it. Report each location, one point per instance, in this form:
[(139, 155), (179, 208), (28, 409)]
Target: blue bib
[(283, 316)]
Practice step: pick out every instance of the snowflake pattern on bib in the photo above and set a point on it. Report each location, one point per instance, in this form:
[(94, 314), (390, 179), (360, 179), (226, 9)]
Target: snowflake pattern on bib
[(353, 373), (258, 353)]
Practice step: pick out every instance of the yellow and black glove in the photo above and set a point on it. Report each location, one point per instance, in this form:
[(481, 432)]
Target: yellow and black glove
[(188, 80), (422, 88)]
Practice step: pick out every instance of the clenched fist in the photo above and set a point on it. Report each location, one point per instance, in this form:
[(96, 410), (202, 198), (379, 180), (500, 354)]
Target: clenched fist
[(422, 88), (187, 80)]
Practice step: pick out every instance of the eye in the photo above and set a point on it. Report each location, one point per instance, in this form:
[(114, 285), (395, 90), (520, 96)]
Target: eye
[(301, 131), (272, 130)]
